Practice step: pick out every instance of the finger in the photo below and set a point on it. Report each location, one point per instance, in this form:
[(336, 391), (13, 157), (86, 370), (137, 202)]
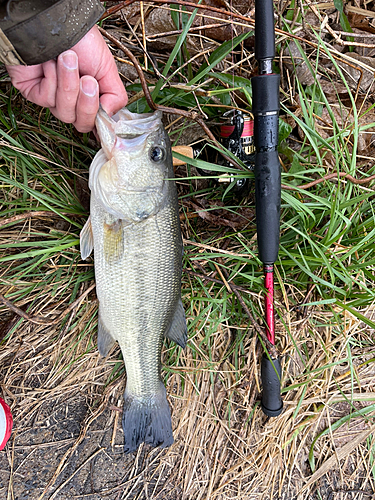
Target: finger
[(113, 95), (96, 59), (36, 83), (87, 104), (67, 86)]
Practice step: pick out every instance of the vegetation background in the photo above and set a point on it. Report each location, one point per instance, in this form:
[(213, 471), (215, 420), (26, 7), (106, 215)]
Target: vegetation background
[(66, 400)]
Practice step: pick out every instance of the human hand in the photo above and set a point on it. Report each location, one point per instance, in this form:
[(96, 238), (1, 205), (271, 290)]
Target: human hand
[(72, 85)]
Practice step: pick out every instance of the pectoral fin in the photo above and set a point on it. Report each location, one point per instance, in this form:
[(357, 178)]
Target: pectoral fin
[(178, 331), (113, 241), (86, 240), (105, 339)]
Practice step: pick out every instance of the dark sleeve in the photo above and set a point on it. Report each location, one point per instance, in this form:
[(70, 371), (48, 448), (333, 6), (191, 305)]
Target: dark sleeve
[(35, 32)]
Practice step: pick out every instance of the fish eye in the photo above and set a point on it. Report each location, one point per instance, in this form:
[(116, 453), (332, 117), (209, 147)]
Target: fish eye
[(157, 154)]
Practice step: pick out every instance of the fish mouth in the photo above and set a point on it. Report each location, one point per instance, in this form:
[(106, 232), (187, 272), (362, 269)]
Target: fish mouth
[(134, 146), (128, 125)]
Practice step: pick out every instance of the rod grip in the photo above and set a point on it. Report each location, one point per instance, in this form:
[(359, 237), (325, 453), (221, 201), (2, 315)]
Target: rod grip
[(267, 166), (266, 93), (272, 404), (267, 205)]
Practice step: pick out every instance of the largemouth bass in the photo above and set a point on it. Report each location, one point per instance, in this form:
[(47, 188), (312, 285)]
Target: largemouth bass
[(134, 229)]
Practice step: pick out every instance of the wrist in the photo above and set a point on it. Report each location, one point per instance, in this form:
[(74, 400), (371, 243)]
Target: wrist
[(33, 38)]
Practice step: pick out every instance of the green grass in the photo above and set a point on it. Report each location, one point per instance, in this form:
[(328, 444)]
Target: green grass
[(326, 264), (327, 232), (39, 257)]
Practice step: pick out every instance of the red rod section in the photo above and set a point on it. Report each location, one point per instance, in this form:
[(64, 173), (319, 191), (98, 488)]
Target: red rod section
[(270, 313)]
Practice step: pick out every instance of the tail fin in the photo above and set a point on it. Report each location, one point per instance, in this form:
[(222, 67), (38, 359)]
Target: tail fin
[(147, 421)]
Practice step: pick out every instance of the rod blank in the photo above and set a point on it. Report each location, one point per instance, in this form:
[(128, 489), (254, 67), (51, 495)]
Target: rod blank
[(264, 30)]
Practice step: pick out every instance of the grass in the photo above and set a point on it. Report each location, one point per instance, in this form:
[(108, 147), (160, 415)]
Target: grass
[(325, 294)]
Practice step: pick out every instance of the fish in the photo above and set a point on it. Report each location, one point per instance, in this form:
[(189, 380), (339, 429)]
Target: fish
[(134, 230)]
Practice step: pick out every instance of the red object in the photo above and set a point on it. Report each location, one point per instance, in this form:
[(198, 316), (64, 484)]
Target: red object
[(270, 313), (248, 129), (6, 423)]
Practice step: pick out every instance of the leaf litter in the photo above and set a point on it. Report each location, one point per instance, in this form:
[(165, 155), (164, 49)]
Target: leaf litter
[(66, 401)]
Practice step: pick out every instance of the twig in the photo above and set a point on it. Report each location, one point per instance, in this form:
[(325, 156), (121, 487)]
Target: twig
[(332, 32), (335, 54), (39, 320), (75, 472), (192, 29), (214, 249), (143, 32), (115, 423), (227, 286), (301, 306), (329, 177), (215, 280), (121, 5), (195, 117), (144, 51), (270, 347), (190, 115), (234, 289), (28, 215)]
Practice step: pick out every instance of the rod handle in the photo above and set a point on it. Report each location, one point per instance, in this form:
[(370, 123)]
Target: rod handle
[(272, 404), (266, 94), (267, 206), (267, 166)]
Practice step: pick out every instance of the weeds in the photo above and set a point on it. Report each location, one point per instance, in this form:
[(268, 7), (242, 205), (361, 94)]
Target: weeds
[(325, 290)]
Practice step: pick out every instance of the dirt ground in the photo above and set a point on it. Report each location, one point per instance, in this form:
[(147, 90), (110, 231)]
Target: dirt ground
[(97, 469)]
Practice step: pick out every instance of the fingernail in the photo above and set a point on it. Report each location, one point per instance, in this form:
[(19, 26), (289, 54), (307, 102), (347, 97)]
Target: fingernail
[(70, 60), (89, 86)]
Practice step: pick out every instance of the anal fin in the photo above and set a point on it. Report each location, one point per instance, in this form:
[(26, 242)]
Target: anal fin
[(105, 339), (178, 330)]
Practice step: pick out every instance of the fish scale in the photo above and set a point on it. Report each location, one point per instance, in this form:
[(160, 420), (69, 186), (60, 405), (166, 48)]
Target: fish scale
[(136, 306), (135, 232)]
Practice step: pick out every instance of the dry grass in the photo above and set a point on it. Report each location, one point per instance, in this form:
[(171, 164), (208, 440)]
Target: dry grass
[(224, 447), (66, 400)]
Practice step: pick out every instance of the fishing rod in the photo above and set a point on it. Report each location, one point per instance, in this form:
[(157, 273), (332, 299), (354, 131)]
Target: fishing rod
[(266, 107)]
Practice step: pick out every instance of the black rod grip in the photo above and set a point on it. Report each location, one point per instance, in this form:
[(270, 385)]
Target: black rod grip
[(267, 166), (264, 30), (267, 204), (266, 92), (272, 404)]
